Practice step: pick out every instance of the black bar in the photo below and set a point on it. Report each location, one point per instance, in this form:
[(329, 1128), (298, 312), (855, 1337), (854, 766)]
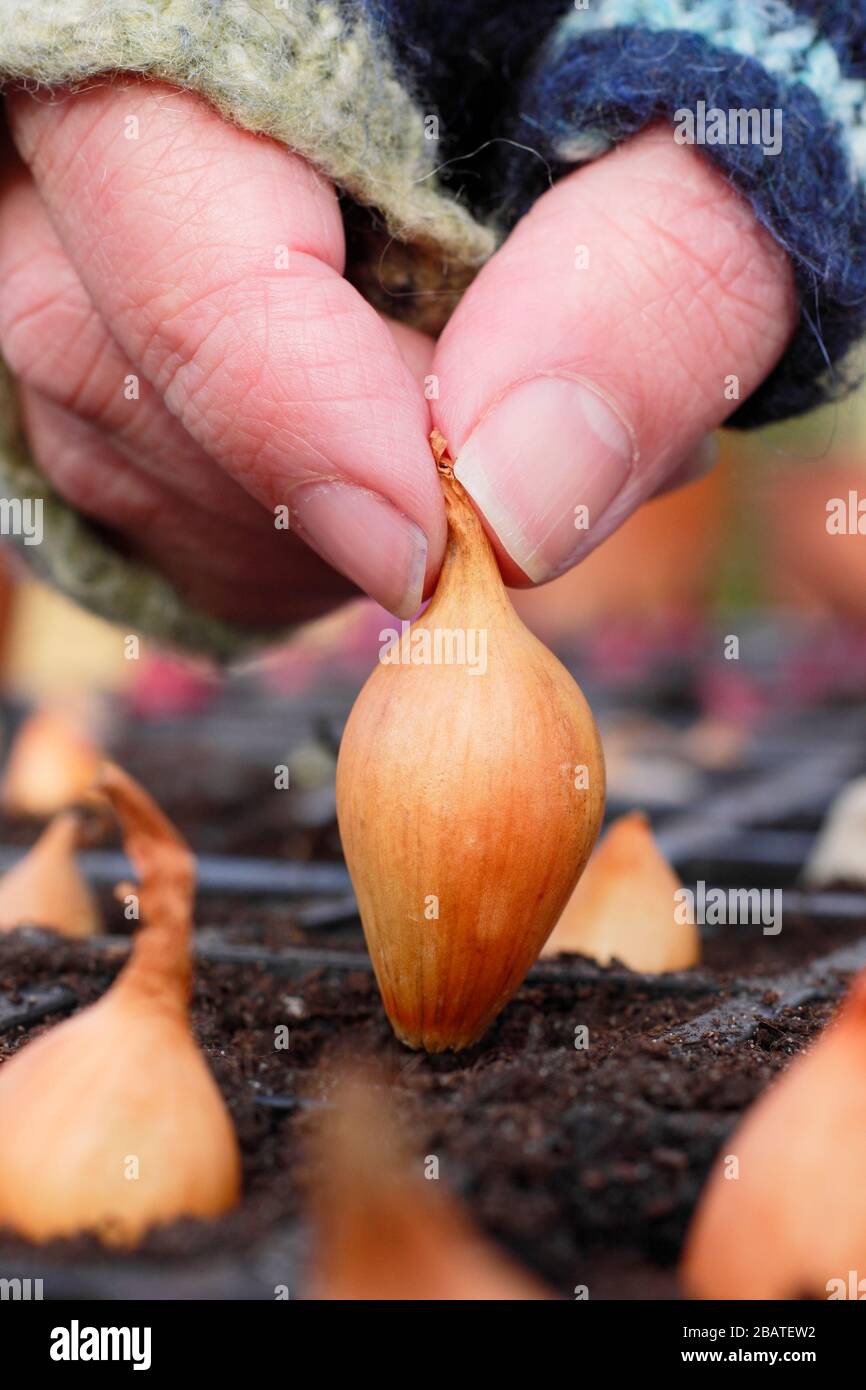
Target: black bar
[(253, 1337)]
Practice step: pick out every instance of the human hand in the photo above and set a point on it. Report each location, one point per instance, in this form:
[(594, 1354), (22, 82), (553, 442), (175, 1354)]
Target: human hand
[(266, 385), (190, 358)]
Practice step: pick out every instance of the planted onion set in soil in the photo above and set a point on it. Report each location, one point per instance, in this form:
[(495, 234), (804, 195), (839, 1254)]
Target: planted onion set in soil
[(564, 1144), (584, 1164)]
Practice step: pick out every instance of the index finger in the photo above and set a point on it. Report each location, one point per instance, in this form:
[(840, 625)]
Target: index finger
[(215, 257)]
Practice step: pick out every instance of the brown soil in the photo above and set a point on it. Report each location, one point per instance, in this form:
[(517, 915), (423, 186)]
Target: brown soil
[(585, 1164)]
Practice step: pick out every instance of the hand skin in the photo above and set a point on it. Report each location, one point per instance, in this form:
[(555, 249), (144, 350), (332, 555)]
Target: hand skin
[(584, 367)]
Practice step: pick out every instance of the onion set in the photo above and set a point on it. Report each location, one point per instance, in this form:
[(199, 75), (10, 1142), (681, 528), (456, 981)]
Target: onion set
[(52, 765), (385, 1228), (111, 1122), (783, 1214), (838, 855), (469, 795), (46, 887), (626, 906)]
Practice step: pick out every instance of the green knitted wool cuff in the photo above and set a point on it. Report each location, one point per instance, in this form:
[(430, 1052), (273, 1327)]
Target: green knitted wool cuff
[(316, 77), (73, 557)]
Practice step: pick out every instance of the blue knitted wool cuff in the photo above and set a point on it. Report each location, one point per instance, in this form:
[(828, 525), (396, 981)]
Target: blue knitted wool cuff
[(612, 68)]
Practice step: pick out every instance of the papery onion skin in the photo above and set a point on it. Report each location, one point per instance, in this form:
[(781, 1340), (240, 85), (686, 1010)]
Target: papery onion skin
[(51, 766), (111, 1122), (458, 792), (626, 907), (47, 889), (118, 1090)]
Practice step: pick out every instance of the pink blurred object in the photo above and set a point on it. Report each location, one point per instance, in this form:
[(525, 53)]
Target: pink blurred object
[(620, 651), (345, 643), (732, 695), (167, 686), (631, 649)]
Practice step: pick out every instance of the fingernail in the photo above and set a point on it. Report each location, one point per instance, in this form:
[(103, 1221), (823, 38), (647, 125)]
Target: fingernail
[(543, 466), (366, 539)]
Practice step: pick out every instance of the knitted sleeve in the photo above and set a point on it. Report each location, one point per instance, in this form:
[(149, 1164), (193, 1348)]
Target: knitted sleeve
[(773, 93), (442, 120)]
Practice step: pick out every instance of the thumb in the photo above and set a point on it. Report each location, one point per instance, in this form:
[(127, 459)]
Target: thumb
[(626, 316)]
